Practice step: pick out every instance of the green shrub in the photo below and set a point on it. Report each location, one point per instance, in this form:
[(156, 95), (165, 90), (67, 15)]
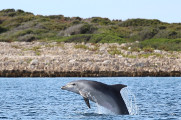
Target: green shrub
[(13, 12), (146, 33), (81, 47), (140, 22), (113, 50), (2, 29), (87, 29), (162, 44), (162, 27), (106, 38), (75, 22), (76, 38), (57, 17), (101, 21), (148, 49), (77, 29), (27, 38), (7, 10), (93, 38)]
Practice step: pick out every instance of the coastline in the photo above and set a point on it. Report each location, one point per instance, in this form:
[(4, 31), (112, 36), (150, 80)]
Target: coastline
[(24, 73), (52, 59)]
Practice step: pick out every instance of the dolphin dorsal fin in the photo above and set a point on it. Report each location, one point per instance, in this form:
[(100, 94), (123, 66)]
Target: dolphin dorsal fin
[(118, 87), (84, 95)]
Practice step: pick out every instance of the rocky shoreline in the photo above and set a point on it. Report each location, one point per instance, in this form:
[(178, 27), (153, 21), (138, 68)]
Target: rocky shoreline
[(52, 59)]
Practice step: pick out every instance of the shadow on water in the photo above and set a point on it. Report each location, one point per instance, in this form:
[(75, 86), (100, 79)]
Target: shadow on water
[(91, 114)]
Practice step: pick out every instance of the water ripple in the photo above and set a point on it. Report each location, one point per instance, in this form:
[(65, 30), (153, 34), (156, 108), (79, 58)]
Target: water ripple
[(42, 98)]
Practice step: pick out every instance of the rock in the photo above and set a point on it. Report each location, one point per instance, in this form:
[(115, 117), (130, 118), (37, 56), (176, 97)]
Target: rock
[(158, 51), (72, 61), (95, 68), (102, 48), (120, 56), (140, 64), (142, 52), (76, 64), (34, 62), (123, 45), (127, 53), (135, 53), (57, 59), (106, 62)]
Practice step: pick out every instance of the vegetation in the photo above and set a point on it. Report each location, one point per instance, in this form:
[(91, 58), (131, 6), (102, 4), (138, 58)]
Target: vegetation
[(81, 47), (18, 25), (94, 48), (162, 44), (113, 50)]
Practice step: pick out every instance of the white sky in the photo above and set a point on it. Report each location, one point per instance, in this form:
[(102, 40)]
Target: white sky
[(164, 10)]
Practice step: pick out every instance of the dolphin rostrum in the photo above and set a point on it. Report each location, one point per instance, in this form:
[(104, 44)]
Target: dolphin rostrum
[(105, 95)]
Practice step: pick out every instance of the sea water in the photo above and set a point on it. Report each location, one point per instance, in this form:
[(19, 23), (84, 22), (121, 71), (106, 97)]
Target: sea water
[(42, 99)]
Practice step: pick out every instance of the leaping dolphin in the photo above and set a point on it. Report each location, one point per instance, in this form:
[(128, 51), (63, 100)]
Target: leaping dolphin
[(105, 95)]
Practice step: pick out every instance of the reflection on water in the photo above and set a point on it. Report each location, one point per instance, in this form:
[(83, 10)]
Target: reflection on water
[(42, 98)]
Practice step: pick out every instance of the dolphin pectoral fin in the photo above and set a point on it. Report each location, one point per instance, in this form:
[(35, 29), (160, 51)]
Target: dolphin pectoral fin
[(85, 96), (87, 101)]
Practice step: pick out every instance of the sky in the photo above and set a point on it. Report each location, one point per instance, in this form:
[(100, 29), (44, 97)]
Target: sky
[(164, 10)]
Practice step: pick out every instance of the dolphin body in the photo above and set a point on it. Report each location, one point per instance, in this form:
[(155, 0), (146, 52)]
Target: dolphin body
[(105, 95)]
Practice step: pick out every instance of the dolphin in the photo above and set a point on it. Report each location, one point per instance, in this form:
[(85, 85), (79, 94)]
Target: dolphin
[(107, 96)]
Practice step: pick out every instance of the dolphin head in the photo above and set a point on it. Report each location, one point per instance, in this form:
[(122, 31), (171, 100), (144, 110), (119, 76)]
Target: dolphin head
[(72, 86)]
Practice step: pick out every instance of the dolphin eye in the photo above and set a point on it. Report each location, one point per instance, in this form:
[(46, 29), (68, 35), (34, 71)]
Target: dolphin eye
[(73, 83)]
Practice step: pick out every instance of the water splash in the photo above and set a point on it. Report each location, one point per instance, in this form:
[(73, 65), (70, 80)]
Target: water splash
[(130, 101), (103, 110)]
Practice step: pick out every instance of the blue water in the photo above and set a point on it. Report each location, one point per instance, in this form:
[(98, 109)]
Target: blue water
[(42, 99)]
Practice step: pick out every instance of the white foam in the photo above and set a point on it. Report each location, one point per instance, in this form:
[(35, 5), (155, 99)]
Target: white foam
[(103, 110), (130, 101)]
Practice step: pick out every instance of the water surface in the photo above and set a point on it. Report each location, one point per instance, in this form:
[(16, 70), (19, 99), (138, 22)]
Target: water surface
[(42, 99)]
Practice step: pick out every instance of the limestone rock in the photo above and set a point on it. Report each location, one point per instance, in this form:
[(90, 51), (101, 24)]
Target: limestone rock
[(34, 62)]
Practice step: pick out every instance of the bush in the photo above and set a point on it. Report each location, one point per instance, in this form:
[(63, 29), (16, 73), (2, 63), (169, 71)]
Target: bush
[(87, 29), (75, 22), (27, 38), (13, 12), (106, 38), (148, 49), (101, 21), (167, 34), (2, 29), (146, 33), (58, 17), (113, 50), (78, 29), (7, 10), (81, 47), (162, 44), (140, 22), (76, 38)]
